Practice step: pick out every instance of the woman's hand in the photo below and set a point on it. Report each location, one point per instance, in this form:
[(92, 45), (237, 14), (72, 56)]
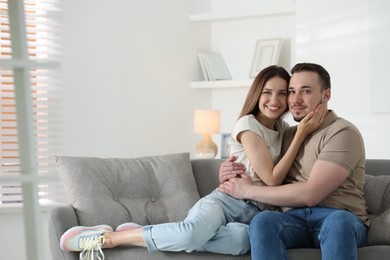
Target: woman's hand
[(312, 121), (230, 169), (238, 188)]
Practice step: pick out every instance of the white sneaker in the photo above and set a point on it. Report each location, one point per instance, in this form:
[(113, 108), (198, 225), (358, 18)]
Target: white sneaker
[(86, 240)]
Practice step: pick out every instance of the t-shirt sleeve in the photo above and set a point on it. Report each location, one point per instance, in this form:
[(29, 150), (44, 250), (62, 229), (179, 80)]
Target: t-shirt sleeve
[(341, 148), (246, 123)]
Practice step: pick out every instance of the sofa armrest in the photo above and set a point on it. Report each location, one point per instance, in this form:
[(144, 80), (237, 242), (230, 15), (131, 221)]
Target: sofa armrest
[(379, 229), (61, 219), (377, 196)]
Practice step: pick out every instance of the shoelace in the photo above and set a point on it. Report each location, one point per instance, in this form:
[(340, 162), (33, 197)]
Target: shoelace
[(90, 245)]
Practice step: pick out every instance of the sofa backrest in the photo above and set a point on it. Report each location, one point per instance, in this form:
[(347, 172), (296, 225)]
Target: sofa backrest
[(206, 174), (377, 167)]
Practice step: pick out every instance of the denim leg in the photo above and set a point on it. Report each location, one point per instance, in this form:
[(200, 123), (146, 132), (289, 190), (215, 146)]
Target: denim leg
[(339, 233), (271, 232), (202, 223), (231, 239)]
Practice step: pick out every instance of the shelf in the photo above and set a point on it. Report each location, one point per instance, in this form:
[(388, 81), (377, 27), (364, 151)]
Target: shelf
[(203, 17), (219, 84)]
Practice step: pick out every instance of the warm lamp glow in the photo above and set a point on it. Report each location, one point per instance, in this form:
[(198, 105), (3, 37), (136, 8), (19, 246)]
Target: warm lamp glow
[(207, 122)]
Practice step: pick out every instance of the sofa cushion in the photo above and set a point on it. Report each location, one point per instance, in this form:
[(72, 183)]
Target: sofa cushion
[(146, 190), (377, 195)]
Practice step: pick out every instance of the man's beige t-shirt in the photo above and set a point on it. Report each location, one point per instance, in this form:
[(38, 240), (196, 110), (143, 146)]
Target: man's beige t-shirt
[(340, 142)]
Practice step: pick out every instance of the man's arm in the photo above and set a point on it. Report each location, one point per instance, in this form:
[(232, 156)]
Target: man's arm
[(324, 178)]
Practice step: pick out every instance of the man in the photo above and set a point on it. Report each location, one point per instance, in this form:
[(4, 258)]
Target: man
[(322, 198)]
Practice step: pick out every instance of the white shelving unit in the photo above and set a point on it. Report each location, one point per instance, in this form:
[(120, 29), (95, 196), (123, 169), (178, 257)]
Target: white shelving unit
[(216, 17)]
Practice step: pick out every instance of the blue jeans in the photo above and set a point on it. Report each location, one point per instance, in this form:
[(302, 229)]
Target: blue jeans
[(217, 223), (337, 232)]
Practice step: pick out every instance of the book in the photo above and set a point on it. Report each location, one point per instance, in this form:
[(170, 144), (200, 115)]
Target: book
[(213, 66), (205, 66)]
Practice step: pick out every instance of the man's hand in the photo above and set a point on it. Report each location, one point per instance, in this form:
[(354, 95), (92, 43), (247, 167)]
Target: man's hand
[(230, 169), (238, 188)]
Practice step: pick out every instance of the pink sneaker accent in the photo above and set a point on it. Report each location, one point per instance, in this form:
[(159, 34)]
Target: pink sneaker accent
[(127, 226)]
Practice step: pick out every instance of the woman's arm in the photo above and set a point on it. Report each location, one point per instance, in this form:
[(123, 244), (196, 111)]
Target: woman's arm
[(260, 158)]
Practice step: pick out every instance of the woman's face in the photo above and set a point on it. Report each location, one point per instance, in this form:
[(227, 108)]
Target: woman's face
[(273, 98)]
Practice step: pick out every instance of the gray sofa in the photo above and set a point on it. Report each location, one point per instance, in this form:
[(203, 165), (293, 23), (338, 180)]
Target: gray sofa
[(162, 188)]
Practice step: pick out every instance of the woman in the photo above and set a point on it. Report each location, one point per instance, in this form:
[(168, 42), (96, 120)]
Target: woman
[(218, 223)]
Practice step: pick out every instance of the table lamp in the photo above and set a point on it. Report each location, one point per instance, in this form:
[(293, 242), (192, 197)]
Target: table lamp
[(206, 122)]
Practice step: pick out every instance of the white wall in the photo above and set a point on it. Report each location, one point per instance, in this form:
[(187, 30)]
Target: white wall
[(127, 68)]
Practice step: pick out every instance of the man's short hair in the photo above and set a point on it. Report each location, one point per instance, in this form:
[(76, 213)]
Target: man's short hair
[(312, 67)]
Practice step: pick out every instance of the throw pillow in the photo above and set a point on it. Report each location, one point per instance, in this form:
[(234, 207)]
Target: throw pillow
[(146, 190)]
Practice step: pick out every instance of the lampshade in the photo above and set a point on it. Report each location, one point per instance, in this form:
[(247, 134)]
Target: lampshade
[(207, 121)]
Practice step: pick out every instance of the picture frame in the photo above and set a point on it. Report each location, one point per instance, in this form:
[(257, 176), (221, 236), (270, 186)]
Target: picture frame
[(266, 53), (225, 145)]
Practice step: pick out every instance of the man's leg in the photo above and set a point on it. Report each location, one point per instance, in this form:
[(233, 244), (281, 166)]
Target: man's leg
[(339, 234), (271, 233)]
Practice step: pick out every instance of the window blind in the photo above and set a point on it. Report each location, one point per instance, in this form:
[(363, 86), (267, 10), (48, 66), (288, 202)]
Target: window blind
[(42, 28)]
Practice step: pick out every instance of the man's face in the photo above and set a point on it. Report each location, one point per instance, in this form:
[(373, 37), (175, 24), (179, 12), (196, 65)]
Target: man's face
[(305, 94)]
